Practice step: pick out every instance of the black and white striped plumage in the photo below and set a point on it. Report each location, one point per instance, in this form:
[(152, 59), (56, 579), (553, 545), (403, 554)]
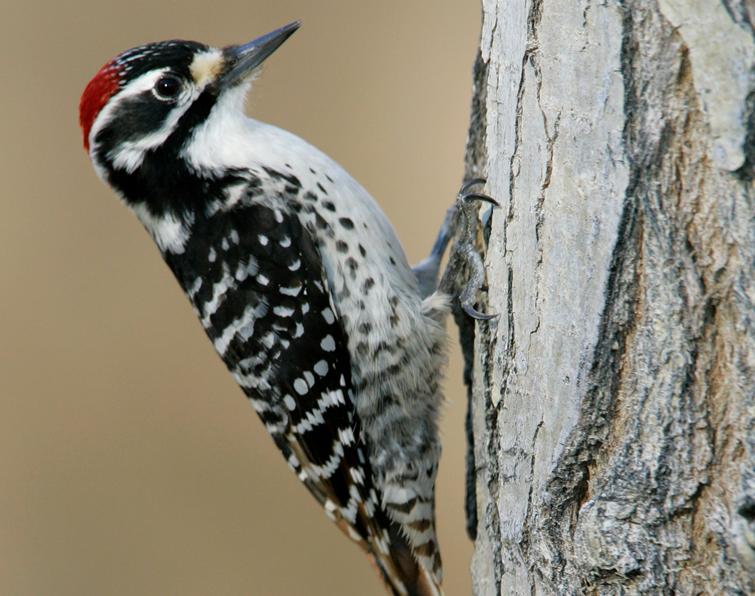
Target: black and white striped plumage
[(297, 278)]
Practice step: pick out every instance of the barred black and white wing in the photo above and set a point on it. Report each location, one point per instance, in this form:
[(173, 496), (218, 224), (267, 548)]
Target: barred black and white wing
[(257, 282)]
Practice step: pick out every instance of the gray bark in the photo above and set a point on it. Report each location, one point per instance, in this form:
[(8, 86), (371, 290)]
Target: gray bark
[(612, 399)]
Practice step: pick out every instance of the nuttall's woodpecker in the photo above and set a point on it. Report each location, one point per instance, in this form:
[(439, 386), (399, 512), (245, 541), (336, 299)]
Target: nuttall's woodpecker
[(298, 280)]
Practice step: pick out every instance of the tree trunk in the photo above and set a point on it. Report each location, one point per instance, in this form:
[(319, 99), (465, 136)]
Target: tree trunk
[(612, 399)]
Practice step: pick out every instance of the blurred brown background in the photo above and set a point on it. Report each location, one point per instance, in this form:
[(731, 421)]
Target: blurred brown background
[(130, 463)]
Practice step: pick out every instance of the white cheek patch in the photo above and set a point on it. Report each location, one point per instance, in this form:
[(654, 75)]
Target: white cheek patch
[(129, 155), (223, 139)]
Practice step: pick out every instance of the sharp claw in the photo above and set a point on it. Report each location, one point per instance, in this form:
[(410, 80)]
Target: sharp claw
[(470, 183), (476, 196), (476, 314), (465, 249)]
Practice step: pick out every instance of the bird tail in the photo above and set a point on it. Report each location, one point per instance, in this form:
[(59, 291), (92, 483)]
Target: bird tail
[(404, 573)]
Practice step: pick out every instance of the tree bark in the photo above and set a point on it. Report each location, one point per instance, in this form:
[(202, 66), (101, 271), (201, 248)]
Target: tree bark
[(612, 399)]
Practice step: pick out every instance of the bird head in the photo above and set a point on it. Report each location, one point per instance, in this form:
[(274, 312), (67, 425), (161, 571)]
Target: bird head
[(152, 97)]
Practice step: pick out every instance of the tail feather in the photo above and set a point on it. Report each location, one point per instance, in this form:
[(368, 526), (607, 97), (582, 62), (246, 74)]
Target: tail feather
[(402, 571)]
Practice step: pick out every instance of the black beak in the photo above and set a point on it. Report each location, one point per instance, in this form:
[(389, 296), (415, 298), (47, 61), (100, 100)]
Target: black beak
[(243, 59)]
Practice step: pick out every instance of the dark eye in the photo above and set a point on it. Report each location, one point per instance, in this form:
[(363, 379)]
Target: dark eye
[(167, 87)]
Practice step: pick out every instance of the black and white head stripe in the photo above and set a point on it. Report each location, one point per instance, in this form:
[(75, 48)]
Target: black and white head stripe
[(157, 85), (177, 53)]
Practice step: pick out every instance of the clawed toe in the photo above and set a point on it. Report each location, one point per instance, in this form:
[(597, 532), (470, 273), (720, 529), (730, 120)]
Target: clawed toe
[(471, 255), (476, 196), (471, 183), (465, 251), (476, 314), (467, 196)]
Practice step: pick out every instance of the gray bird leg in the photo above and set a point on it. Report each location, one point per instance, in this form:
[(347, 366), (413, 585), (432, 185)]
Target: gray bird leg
[(426, 271)]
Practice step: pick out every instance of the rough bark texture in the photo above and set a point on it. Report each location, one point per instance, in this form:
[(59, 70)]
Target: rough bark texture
[(614, 440)]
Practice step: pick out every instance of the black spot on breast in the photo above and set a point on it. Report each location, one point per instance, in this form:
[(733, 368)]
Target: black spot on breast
[(393, 370), (368, 284), (362, 251), (322, 188), (365, 328), (276, 175), (320, 222), (392, 260), (383, 347), (341, 246), (329, 205), (346, 223), (353, 266), (312, 171), (310, 196), (329, 178)]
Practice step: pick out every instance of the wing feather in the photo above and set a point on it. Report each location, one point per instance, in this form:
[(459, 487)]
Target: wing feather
[(265, 304)]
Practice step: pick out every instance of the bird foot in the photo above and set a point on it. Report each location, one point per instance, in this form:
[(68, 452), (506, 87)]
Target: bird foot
[(466, 248), (465, 251)]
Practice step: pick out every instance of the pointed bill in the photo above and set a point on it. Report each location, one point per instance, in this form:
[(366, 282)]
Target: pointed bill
[(243, 59)]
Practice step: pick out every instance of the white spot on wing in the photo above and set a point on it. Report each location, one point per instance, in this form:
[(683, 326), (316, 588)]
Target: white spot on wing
[(346, 436), (194, 287), (328, 343), (283, 311), (245, 270), (290, 402), (244, 323)]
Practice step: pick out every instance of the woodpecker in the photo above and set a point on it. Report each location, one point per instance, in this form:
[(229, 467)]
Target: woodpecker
[(298, 279)]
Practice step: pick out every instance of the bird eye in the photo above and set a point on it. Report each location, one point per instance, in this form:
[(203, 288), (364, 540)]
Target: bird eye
[(167, 88)]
